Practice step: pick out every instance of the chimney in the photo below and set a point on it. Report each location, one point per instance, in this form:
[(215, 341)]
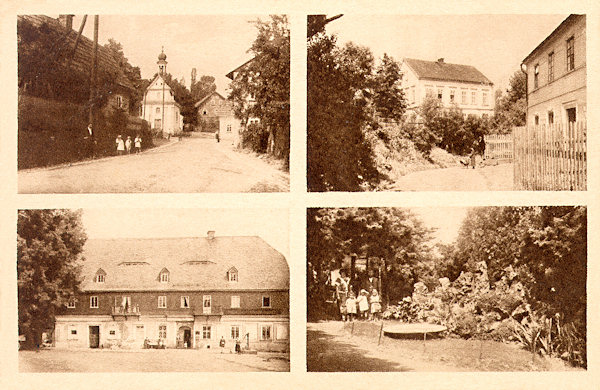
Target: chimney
[(67, 21), (210, 234), (441, 60)]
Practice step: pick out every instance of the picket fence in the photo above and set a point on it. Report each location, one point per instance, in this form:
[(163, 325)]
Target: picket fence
[(551, 157), (498, 146)]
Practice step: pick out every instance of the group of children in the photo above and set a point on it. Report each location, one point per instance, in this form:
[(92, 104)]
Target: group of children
[(365, 306), (125, 146)]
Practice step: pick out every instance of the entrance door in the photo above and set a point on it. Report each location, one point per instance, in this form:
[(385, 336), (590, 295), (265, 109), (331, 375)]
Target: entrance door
[(572, 114), (187, 338), (94, 336), (158, 124)]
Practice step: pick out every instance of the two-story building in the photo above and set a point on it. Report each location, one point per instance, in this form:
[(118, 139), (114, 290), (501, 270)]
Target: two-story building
[(556, 75), (249, 99), (453, 84), (216, 110), (178, 292), (159, 107)]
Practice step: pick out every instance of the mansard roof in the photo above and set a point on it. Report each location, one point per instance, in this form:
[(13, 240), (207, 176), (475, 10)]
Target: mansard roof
[(193, 264), (440, 70)]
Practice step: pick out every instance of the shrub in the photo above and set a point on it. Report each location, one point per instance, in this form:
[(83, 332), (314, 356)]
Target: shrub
[(466, 325), (255, 137)]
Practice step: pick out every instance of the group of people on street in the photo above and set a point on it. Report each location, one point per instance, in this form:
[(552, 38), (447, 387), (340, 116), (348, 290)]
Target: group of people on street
[(238, 345), (365, 305), (126, 146)]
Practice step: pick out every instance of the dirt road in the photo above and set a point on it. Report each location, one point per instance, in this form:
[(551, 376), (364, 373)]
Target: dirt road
[(195, 164), (487, 178)]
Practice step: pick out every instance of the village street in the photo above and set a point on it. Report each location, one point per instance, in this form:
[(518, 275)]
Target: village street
[(195, 164), (149, 360), (486, 178)]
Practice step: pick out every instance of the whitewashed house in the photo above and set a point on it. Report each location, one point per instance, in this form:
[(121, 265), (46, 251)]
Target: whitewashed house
[(453, 84)]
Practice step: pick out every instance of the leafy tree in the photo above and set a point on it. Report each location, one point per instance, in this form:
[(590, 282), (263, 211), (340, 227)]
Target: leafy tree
[(511, 108), (203, 87), (49, 244), (182, 96), (267, 79), (393, 235), (132, 73), (388, 97), (339, 158)]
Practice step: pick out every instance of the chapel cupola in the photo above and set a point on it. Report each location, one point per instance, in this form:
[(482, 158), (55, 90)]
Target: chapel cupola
[(162, 62)]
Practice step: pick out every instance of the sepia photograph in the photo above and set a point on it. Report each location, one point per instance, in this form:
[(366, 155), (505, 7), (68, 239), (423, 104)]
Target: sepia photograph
[(446, 102), (447, 289), (153, 103), (153, 290)]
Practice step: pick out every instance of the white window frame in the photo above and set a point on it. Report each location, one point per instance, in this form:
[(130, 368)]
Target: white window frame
[(235, 301), (570, 66), (463, 97), (71, 303), (235, 328), (452, 96), (185, 302), (206, 330), (162, 301), (164, 277), (473, 97), (269, 327), (206, 304), (484, 98), (162, 331), (536, 76), (263, 301), (232, 276), (94, 304), (100, 278), (119, 101), (70, 335)]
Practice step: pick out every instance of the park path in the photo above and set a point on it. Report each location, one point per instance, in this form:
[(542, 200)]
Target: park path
[(485, 178), (329, 348), (196, 164)]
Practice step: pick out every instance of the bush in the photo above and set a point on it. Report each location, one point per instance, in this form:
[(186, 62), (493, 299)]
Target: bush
[(466, 325), (255, 137)]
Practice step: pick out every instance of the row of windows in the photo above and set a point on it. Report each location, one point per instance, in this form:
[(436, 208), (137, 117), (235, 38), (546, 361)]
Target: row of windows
[(164, 275), (463, 96), (570, 58), (184, 302), (265, 332)]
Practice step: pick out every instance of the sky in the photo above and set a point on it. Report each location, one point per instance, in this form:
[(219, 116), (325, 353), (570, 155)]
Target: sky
[(446, 221), (494, 44), (272, 225), (213, 44)]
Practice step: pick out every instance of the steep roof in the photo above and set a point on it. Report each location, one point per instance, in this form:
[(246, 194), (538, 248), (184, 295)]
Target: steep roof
[(205, 98), (439, 70), (193, 264), (83, 55), (573, 18), (231, 75)]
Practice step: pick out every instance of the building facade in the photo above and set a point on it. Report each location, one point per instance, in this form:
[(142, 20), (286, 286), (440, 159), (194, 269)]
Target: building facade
[(556, 75), (216, 110), (159, 107), (460, 85), (180, 293)]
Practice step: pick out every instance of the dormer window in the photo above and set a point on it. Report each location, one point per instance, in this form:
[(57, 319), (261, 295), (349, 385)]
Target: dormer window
[(100, 276), (163, 277), (232, 274)]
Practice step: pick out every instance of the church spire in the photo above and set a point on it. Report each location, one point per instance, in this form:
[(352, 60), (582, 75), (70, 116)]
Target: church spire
[(162, 61)]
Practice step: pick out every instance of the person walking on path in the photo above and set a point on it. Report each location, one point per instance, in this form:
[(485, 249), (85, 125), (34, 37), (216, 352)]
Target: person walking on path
[(120, 145), (218, 135), (137, 142), (89, 141), (222, 343), (128, 144)]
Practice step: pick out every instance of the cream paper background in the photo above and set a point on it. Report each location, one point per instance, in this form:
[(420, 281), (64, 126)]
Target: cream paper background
[(296, 201)]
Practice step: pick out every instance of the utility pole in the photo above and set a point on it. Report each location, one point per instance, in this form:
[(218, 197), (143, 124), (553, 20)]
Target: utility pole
[(93, 80)]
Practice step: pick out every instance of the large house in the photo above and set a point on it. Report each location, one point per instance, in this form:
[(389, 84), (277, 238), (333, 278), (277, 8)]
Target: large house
[(179, 292), (215, 110), (159, 107), (249, 99), (461, 85), (556, 75)]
